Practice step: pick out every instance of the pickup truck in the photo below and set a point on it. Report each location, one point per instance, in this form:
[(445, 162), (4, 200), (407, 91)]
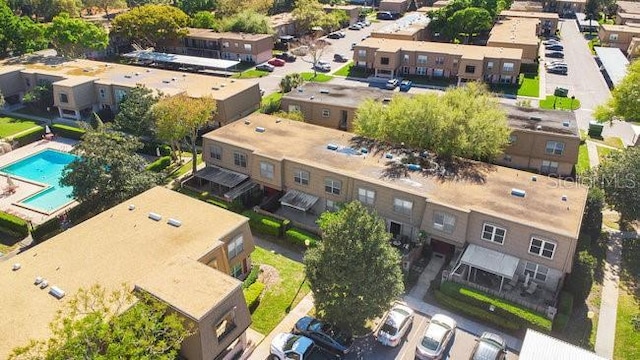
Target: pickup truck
[(289, 346)]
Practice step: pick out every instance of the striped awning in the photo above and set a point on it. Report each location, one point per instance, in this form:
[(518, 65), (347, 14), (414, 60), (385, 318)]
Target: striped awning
[(221, 176), (298, 200)]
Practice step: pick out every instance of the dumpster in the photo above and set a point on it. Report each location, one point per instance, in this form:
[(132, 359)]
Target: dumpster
[(595, 129), (561, 92)]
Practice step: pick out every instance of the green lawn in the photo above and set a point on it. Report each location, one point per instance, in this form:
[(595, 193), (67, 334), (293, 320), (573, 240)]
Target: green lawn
[(251, 74), (529, 85), (583, 159), (561, 103), (613, 141), (351, 70), (627, 345), (278, 298), (10, 125), (603, 152), (186, 167), (320, 77)]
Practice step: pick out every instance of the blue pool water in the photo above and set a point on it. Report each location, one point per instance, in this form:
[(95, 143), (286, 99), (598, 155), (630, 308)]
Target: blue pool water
[(44, 167)]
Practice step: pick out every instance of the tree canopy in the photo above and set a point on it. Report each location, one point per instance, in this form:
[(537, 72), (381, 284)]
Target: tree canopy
[(248, 21), (306, 14), (96, 324), (192, 7), (624, 98), (19, 34), (290, 81), (470, 21), (105, 5), (134, 116), (619, 176), (147, 25), (204, 20), (465, 17), (354, 272), (73, 37), (225, 8), (464, 121)]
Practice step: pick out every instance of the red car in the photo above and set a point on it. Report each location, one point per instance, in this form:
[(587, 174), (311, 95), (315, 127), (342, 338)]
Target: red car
[(276, 62)]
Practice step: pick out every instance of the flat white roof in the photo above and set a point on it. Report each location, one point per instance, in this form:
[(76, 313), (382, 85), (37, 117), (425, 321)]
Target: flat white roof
[(538, 346), (182, 59), (490, 260), (614, 62)]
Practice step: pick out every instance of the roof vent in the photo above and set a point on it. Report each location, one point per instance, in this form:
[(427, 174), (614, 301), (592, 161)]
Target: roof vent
[(56, 292), (232, 81), (300, 90), (247, 122), (223, 85), (174, 79), (127, 76), (16, 267), (312, 97), (260, 129), (564, 198), (386, 100), (155, 216), (538, 127), (174, 222), (534, 178), (565, 123), (132, 207), (364, 150), (535, 118), (38, 280), (148, 70), (215, 88), (324, 91), (44, 284), (332, 147), (518, 192), (137, 74), (165, 81)]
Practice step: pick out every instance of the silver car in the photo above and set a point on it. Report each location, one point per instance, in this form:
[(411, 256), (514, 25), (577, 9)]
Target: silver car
[(395, 325), (489, 347), (436, 338)]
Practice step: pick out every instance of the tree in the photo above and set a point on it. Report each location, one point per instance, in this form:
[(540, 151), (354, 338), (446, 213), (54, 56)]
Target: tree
[(73, 37), (470, 21), (332, 20), (354, 272), (306, 14), (619, 178), (107, 171), (226, 8), (147, 25), (192, 7), (249, 22), (290, 81), (19, 34), (624, 98), (105, 5), (96, 324), (180, 117), (47, 9), (40, 97), (204, 20), (134, 116), (291, 115), (592, 9), (592, 217), (466, 122), (317, 48)]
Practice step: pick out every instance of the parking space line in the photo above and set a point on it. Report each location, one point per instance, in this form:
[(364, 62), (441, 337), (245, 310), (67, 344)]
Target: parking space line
[(416, 331)]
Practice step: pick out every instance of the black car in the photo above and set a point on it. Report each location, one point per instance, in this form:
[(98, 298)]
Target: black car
[(324, 335), (554, 47), (555, 54), (286, 57), (340, 58), (334, 35)]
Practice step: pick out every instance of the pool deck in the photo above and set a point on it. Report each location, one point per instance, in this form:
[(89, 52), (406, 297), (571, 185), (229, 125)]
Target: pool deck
[(25, 189)]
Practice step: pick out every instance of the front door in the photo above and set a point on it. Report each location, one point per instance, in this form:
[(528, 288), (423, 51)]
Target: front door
[(343, 120), (395, 228)]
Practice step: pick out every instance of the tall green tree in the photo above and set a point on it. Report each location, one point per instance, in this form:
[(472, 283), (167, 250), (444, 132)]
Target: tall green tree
[(19, 34), (134, 116), (181, 116), (249, 22), (105, 5), (624, 98), (471, 21), (97, 324), (354, 272), (148, 25), (73, 37), (290, 81), (108, 170), (619, 176), (466, 122), (225, 8), (306, 14), (47, 9), (192, 7), (204, 20), (40, 97)]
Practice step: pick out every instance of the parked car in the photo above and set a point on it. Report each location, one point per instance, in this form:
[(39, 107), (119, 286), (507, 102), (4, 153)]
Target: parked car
[(276, 62), (554, 62), (288, 57), (395, 325), (353, 45), (551, 42), (561, 69), (336, 35), (355, 27), (324, 335), (340, 58), (555, 54), (322, 65), (289, 346), (265, 67), (489, 347), (436, 338), (554, 47), (391, 84), (384, 15), (366, 22), (405, 85)]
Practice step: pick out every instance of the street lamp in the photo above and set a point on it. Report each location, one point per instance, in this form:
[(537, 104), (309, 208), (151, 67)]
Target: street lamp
[(573, 97)]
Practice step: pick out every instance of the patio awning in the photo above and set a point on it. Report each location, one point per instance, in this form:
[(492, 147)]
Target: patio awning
[(298, 200), (490, 260), (221, 176), (238, 191)]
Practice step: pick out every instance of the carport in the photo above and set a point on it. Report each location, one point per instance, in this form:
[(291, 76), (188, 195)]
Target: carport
[(298, 200), (614, 63), (491, 261)]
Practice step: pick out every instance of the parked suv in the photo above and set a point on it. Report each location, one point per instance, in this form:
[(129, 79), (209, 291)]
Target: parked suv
[(286, 57), (340, 58)]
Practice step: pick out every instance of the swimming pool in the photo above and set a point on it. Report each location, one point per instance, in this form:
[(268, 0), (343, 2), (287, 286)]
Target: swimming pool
[(44, 167)]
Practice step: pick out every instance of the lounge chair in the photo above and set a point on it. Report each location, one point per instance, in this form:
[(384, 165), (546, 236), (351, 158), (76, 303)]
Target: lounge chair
[(512, 283), (532, 288)]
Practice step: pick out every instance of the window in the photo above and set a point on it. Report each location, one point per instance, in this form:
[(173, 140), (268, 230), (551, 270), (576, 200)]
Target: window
[(469, 69), (247, 47), (455, 62), (405, 58), (216, 152), (331, 205), (119, 94), (403, 207), (301, 177), (366, 196), (332, 186), (536, 271), (235, 247), (226, 325), (102, 93), (405, 69), (28, 82), (225, 44), (542, 248), (64, 98), (549, 167), (507, 67), (236, 270), (554, 148), (294, 107), (507, 158), (240, 159), (613, 37), (493, 233), (362, 53), (325, 112), (266, 170), (439, 60), (444, 222), (421, 71), (513, 139), (384, 61), (490, 65), (422, 59)]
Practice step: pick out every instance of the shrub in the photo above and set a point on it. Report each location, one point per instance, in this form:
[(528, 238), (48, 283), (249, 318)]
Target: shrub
[(149, 148), (512, 312), (263, 224), (565, 308), (474, 312), (47, 230), (252, 277), (13, 225), (560, 322), (29, 136), (298, 237), (68, 131), (581, 277), (160, 164), (252, 295)]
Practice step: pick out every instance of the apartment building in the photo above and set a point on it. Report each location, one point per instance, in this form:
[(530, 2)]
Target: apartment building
[(517, 33), (352, 11), (628, 12), (526, 6), (391, 58), (533, 219), (253, 48), (412, 27), (565, 8), (619, 36), (81, 87), (159, 242), (394, 6), (548, 24)]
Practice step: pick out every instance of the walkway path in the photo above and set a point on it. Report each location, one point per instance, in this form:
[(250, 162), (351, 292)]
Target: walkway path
[(606, 332), (592, 149), (430, 272)]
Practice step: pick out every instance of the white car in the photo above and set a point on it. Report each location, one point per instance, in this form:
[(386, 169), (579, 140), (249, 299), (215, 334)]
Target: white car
[(395, 325), (436, 338), (322, 65)]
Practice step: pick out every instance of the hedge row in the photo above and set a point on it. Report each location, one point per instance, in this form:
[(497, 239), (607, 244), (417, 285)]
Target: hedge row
[(14, 225), (160, 164), (252, 295), (149, 148), (66, 131), (252, 277), (565, 308), (29, 136), (263, 224), (512, 312), (47, 230), (474, 312), (298, 237)]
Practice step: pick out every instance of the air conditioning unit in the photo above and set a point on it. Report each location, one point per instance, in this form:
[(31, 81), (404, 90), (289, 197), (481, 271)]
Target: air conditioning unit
[(174, 222), (57, 292), (155, 216)]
